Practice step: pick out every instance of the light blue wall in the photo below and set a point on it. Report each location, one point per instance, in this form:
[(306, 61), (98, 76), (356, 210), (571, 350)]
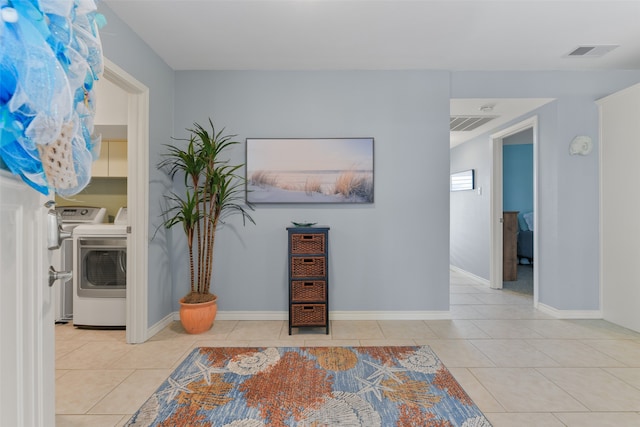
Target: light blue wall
[(517, 172), (470, 235), (390, 255), (568, 186), (129, 52)]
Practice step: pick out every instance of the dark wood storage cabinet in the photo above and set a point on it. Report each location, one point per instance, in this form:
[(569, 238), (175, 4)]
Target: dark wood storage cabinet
[(510, 246), (308, 277)]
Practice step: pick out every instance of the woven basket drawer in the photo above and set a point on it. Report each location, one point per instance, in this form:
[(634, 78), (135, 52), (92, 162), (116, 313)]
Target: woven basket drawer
[(308, 266), (308, 315), (308, 291), (307, 243)]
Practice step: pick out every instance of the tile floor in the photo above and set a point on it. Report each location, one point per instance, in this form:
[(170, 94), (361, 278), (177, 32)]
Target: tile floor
[(520, 366)]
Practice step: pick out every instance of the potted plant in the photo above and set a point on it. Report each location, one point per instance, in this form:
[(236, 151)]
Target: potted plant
[(213, 191)]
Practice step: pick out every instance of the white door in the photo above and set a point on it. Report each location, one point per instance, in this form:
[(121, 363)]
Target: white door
[(619, 205), (27, 366)]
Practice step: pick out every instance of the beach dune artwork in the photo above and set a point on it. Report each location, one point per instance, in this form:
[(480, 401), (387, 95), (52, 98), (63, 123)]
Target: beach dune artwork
[(309, 170)]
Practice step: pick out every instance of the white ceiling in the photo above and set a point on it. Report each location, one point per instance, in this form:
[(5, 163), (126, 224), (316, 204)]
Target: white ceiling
[(384, 35)]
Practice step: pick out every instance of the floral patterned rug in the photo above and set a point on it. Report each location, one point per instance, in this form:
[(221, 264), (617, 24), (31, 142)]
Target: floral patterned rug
[(310, 386)]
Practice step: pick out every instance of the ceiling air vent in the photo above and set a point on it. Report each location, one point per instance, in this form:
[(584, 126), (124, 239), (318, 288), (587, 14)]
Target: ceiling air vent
[(594, 51), (468, 123)]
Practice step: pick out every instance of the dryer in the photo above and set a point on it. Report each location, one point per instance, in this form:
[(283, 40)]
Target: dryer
[(62, 259), (100, 279)]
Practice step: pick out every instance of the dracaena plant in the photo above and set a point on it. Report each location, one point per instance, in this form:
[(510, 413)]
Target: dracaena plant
[(213, 191)]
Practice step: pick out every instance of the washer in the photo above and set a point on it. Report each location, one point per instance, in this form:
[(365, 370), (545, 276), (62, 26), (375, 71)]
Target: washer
[(100, 282), (62, 259), (122, 217)]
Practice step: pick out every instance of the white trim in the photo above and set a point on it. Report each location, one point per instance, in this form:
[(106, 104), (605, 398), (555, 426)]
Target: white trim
[(333, 315), (495, 213), (536, 204), (252, 315), (244, 315), (480, 280), (137, 200), (569, 314), (390, 315), (163, 323), (600, 103)]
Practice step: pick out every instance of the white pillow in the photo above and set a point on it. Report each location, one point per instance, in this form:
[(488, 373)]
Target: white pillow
[(528, 217)]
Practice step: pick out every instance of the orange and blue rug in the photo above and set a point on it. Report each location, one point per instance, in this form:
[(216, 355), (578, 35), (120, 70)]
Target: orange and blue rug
[(310, 386)]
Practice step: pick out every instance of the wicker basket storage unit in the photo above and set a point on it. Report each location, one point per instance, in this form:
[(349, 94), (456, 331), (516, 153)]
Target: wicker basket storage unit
[(307, 243), (308, 291), (308, 315), (307, 266), (308, 277)]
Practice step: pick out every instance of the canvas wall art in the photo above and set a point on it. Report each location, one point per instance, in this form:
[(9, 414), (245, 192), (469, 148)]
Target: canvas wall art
[(309, 170)]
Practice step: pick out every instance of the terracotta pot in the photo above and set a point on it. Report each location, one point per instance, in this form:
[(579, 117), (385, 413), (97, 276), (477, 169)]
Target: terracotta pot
[(198, 318)]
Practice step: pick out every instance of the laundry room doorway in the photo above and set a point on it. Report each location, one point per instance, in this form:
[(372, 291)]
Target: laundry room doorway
[(137, 188)]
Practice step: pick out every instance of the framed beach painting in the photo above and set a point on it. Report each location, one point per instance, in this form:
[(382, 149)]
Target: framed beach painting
[(309, 170)]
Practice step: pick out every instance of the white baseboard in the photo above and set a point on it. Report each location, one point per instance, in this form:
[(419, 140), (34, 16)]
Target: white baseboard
[(569, 314), (252, 315), (333, 315), (481, 280), (161, 324), (245, 315), (389, 315)]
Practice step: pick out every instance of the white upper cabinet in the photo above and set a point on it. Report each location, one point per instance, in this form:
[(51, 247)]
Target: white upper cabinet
[(112, 161), (111, 122)]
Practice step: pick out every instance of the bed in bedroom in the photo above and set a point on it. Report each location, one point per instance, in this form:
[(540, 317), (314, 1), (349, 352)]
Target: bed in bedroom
[(525, 236)]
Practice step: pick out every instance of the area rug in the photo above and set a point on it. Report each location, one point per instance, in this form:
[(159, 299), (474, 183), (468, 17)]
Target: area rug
[(310, 387)]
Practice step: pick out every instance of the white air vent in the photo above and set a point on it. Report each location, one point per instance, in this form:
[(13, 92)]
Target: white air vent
[(594, 51), (468, 123)]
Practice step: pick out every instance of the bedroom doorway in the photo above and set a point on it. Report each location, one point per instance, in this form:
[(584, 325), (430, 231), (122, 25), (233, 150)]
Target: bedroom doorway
[(517, 204), (498, 141)]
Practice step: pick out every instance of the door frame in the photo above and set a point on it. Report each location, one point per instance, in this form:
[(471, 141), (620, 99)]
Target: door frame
[(137, 200), (495, 274)]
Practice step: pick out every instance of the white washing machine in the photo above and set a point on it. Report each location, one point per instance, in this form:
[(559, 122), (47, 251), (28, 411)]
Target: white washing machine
[(100, 279), (62, 259)]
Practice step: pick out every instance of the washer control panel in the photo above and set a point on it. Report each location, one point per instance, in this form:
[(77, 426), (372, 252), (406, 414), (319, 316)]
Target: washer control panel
[(81, 214)]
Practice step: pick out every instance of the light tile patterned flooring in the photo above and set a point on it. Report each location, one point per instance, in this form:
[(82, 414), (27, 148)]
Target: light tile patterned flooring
[(520, 366)]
